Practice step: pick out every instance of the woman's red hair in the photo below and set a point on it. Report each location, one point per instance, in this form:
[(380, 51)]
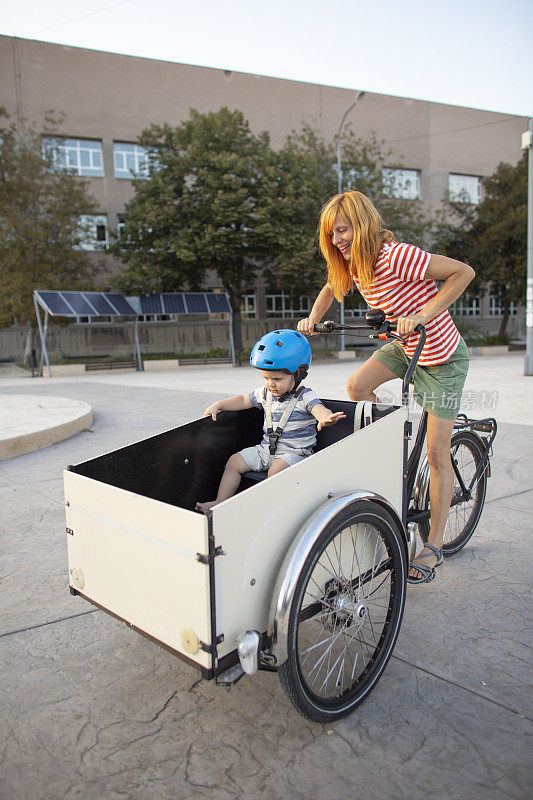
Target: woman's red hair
[(355, 209)]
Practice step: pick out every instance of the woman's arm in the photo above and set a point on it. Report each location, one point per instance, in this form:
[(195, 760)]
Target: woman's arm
[(320, 306), (238, 403), (456, 277)]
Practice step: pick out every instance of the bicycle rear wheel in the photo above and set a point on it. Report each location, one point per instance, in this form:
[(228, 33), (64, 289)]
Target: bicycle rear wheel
[(346, 613), (467, 451)]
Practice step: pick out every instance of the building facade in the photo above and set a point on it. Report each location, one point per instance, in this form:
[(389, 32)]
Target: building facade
[(108, 99)]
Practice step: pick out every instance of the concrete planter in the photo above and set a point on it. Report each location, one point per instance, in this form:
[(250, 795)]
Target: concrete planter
[(160, 363), (64, 370), (489, 350)]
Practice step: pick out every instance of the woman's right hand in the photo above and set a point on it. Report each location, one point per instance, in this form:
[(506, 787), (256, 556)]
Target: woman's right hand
[(307, 326)]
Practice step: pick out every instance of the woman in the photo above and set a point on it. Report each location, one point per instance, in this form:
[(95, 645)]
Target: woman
[(399, 278)]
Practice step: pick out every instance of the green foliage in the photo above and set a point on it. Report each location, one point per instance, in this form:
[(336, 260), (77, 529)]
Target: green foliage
[(200, 210), (301, 177), (492, 236), (220, 199), (40, 224), (363, 163)]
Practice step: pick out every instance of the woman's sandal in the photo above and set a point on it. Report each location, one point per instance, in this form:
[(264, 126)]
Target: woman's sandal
[(428, 573)]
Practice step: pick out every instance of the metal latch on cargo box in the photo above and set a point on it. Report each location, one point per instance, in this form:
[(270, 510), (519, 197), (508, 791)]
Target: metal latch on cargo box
[(70, 531), (211, 648), (208, 559)]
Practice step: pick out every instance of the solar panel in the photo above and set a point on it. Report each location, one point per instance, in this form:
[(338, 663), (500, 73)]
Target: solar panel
[(99, 303), (151, 304), (121, 305), (218, 303), (196, 303), (78, 303), (55, 304), (173, 303)]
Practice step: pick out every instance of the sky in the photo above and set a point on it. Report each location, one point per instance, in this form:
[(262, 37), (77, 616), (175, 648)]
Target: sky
[(474, 53)]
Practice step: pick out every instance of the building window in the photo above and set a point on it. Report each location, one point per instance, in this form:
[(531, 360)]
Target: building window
[(248, 306), (466, 306), (495, 307), (464, 188), (282, 305), (131, 160), (404, 183), (121, 223), (94, 234), (84, 156)]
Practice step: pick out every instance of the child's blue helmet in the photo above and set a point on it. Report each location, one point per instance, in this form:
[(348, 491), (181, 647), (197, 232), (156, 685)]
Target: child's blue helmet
[(285, 350)]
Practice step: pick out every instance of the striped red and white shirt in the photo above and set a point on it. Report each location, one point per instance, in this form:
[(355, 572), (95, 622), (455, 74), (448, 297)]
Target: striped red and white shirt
[(400, 289)]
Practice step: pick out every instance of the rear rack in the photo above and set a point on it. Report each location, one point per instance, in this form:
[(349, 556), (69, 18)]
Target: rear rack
[(487, 425)]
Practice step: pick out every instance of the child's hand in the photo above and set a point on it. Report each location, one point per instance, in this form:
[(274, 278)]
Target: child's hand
[(212, 411), (331, 419)]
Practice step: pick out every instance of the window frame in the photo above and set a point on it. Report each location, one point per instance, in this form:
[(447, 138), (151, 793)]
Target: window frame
[(460, 196), (400, 178), (141, 167), (53, 146)]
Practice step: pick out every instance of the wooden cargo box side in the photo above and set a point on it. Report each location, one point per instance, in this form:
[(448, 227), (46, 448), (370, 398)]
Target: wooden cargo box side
[(136, 557), (256, 527)]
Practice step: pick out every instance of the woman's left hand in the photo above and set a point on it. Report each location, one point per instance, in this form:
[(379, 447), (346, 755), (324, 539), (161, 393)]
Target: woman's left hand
[(406, 325)]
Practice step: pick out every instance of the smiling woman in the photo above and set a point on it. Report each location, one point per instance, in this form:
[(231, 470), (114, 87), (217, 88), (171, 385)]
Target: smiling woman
[(399, 279)]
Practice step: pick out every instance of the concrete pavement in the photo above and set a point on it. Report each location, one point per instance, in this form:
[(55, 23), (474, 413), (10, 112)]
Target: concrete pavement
[(91, 710)]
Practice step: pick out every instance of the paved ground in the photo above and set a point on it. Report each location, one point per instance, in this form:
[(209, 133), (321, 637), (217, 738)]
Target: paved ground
[(92, 711)]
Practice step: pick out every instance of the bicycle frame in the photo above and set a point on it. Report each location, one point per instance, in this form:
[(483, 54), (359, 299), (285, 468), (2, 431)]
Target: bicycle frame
[(411, 462)]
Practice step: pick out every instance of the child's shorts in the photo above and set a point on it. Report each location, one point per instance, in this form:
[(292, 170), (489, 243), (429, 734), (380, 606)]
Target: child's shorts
[(438, 388), (258, 457)]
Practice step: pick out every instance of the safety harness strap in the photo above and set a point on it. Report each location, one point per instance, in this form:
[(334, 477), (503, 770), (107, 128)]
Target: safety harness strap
[(273, 435), (362, 415)]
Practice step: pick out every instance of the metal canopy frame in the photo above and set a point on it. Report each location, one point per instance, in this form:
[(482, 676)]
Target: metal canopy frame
[(187, 303), (92, 304), (113, 304)]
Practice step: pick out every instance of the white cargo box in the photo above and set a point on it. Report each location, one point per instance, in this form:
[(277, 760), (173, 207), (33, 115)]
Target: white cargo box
[(194, 582)]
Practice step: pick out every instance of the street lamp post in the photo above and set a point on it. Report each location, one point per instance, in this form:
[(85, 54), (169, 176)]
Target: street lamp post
[(357, 97), (527, 144)]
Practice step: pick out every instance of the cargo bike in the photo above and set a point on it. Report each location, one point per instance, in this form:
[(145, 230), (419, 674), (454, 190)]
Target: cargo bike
[(303, 573)]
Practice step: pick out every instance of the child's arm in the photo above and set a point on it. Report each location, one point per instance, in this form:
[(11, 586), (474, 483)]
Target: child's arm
[(326, 417), (238, 403)]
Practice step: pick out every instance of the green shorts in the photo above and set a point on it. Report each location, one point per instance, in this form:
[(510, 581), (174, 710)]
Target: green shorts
[(437, 389)]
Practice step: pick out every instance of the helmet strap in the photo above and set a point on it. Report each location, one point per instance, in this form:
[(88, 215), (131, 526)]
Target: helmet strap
[(300, 375)]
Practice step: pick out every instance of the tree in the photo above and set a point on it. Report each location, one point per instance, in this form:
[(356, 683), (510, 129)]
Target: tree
[(220, 199), (300, 177), (492, 236), (41, 227), (199, 210)]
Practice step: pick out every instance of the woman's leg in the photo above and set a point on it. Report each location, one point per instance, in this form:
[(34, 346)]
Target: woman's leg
[(369, 376), (439, 436), (229, 483)]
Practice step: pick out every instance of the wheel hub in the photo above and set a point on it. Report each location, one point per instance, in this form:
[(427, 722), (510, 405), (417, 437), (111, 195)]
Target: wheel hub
[(341, 607)]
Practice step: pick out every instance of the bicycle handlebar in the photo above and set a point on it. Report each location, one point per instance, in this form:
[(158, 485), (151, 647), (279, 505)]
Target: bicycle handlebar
[(382, 328), (383, 332)]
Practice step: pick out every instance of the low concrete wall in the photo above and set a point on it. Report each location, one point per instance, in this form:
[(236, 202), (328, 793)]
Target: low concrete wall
[(197, 336), (70, 340)]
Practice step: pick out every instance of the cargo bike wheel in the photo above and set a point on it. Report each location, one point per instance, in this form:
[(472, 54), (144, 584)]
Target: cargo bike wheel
[(467, 451), (346, 612)]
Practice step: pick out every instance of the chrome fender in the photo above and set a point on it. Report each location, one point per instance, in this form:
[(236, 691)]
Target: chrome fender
[(285, 587), (421, 485)]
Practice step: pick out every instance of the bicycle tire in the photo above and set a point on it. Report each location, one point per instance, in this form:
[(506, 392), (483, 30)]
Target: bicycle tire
[(347, 614), (463, 518)]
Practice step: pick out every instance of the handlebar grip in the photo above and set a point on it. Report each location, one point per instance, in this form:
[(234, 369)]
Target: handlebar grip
[(325, 327)]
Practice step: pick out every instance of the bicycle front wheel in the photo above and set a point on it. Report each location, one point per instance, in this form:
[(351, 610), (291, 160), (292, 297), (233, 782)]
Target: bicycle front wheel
[(346, 612), (467, 451)]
